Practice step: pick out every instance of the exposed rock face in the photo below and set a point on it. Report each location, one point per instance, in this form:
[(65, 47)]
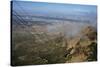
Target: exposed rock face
[(90, 32), (83, 48)]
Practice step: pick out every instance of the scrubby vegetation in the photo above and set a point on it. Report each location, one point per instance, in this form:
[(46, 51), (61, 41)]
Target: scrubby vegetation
[(42, 48)]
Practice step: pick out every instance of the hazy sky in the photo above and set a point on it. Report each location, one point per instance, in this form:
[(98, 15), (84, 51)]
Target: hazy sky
[(52, 8), (55, 9)]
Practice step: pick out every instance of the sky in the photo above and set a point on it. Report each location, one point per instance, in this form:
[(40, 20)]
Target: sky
[(73, 11), (56, 10), (38, 7)]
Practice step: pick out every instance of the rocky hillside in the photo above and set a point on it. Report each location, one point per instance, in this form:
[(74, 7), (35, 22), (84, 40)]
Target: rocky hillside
[(43, 49), (83, 48)]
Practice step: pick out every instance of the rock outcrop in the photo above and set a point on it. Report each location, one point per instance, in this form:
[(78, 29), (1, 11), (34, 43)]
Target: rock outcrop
[(83, 48)]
